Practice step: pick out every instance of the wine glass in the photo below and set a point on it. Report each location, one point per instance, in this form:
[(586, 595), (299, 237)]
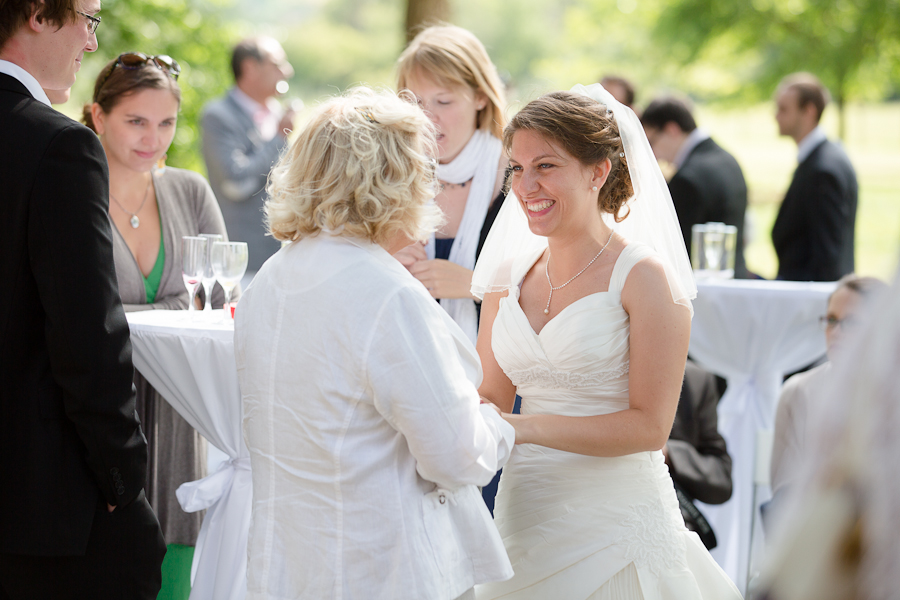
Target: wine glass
[(209, 278), (229, 262), (193, 263)]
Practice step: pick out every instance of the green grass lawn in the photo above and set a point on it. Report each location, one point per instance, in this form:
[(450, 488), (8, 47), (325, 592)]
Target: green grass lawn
[(768, 161)]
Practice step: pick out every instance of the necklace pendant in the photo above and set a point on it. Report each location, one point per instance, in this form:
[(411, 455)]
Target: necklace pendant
[(546, 311), (135, 222)]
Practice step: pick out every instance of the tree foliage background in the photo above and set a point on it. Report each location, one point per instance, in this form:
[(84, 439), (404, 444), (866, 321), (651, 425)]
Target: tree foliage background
[(713, 51)]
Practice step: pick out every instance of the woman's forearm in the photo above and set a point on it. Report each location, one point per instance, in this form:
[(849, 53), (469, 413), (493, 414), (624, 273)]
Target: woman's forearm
[(616, 434)]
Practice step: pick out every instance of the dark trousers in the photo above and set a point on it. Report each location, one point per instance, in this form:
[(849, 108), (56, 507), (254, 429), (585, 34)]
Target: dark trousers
[(123, 559)]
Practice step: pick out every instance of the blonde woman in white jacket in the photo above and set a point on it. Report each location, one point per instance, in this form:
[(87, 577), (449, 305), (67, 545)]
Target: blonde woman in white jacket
[(365, 429)]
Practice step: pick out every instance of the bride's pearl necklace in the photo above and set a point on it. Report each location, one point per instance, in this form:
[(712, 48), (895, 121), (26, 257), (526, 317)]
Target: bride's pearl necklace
[(559, 287)]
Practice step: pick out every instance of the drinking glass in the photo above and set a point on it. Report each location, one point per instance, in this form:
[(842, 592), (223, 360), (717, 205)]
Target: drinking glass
[(209, 278), (193, 263), (229, 262), (713, 248)]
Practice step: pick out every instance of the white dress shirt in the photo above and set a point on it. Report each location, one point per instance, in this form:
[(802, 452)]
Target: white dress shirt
[(266, 116), (26, 79), (690, 142), (366, 436), (810, 143)]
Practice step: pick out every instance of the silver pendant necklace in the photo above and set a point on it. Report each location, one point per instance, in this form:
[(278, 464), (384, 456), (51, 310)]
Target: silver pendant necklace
[(135, 222), (559, 287)]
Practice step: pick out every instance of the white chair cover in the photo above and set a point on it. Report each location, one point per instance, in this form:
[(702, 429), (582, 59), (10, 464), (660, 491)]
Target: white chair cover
[(752, 333)]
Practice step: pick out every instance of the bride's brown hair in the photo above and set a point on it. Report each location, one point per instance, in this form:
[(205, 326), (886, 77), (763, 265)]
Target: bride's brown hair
[(585, 129)]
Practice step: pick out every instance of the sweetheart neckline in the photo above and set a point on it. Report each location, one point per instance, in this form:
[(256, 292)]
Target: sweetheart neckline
[(538, 333)]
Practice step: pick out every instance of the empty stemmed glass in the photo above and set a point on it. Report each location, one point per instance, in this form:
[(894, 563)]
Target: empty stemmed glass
[(193, 263), (229, 262), (209, 278)]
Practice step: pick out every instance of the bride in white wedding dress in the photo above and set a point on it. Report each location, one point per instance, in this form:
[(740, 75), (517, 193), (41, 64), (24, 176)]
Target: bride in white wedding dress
[(586, 315)]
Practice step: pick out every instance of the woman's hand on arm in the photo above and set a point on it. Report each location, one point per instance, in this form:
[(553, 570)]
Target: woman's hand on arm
[(496, 387), (443, 279), (420, 383), (411, 254)]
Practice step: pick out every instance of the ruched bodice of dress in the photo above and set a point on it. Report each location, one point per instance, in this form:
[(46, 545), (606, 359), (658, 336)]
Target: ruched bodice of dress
[(578, 364), (571, 522)]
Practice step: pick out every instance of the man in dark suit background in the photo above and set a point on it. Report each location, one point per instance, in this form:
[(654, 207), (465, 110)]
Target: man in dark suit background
[(814, 231), (696, 452), (708, 184), (74, 522)]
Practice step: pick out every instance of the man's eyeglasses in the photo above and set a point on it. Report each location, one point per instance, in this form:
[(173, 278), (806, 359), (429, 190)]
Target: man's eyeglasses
[(829, 322), (93, 22), (136, 60)]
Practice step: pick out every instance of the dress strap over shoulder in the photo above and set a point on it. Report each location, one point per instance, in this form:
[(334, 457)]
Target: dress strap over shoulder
[(632, 254)]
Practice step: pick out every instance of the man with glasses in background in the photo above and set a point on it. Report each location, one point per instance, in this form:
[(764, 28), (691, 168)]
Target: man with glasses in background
[(801, 394), (243, 135), (74, 522)]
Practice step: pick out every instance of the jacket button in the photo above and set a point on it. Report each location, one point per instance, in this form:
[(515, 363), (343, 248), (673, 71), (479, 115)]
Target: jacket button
[(114, 471), (120, 490)]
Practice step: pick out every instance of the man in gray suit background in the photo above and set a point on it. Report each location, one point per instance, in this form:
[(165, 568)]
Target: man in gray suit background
[(243, 135)]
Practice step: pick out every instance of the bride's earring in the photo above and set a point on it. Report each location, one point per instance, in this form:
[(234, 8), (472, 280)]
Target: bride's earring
[(595, 188)]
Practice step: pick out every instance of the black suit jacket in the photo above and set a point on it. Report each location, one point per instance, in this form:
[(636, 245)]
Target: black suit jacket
[(69, 435), (698, 457), (710, 186), (813, 233)]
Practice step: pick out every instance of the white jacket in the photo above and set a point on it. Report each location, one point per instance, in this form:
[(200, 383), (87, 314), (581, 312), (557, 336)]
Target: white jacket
[(366, 436)]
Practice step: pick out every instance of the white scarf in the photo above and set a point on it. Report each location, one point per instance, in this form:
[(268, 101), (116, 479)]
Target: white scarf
[(478, 161)]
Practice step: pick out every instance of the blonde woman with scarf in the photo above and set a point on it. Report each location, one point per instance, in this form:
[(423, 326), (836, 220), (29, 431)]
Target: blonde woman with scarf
[(456, 84)]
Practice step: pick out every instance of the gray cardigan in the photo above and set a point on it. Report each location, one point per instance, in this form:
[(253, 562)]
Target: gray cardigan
[(176, 453), (187, 206)]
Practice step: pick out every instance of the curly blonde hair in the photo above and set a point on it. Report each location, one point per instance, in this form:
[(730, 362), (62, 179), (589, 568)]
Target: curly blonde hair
[(360, 167), (585, 129), (453, 56)]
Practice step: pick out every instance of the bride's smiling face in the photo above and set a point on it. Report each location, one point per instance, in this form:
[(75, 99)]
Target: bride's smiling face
[(554, 187)]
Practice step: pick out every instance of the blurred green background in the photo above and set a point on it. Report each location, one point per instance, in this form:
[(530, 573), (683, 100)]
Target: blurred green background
[(726, 57)]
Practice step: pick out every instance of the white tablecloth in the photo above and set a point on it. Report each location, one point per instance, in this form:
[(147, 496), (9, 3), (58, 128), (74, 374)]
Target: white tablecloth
[(192, 365), (752, 333)]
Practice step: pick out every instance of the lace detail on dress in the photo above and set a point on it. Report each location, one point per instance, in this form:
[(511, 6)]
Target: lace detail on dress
[(651, 542), (550, 378)]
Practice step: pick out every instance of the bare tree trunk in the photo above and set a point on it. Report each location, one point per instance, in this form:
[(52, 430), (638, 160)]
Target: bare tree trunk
[(421, 13), (840, 100)]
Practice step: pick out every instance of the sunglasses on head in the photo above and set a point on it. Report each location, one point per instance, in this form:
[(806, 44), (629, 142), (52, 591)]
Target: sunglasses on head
[(136, 60)]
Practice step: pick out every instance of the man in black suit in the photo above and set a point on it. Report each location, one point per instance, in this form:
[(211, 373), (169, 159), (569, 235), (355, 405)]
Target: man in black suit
[(813, 233), (696, 452), (74, 522), (708, 184)]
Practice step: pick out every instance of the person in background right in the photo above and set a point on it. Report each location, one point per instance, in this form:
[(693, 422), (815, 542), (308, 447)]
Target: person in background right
[(846, 306), (813, 233), (708, 184), (838, 536)]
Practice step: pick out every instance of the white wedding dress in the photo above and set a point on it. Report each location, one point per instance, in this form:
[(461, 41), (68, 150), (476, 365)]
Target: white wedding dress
[(580, 527)]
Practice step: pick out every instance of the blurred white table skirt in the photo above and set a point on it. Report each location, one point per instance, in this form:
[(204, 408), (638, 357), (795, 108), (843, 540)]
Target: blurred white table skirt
[(191, 363)]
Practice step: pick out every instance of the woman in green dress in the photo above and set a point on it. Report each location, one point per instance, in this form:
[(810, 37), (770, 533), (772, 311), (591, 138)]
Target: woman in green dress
[(134, 111)]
